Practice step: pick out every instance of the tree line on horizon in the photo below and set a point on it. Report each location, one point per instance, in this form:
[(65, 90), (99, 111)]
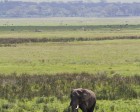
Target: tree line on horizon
[(68, 9)]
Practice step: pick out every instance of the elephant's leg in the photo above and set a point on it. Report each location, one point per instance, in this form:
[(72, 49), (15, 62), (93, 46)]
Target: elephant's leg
[(92, 108)]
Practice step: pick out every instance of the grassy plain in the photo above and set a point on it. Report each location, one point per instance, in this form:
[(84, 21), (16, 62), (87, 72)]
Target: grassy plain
[(103, 53), (112, 56), (69, 27), (68, 31)]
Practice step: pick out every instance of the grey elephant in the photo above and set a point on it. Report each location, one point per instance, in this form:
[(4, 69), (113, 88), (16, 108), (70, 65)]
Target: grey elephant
[(82, 98)]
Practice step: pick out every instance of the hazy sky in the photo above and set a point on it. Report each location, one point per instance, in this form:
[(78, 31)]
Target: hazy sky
[(78, 0)]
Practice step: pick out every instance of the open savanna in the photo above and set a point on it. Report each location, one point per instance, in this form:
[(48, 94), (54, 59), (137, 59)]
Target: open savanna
[(113, 56), (42, 60), (66, 28)]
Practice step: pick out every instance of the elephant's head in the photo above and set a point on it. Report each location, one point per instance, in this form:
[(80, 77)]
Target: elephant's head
[(78, 96)]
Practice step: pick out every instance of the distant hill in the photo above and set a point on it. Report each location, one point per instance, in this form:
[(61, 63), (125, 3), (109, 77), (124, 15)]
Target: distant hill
[(69, 9)]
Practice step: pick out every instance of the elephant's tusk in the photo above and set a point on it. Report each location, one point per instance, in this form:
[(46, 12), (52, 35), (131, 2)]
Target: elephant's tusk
[(77, 107)]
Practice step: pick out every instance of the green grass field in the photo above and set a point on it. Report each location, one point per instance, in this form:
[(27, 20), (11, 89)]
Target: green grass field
[(113, 56), (41, 60)]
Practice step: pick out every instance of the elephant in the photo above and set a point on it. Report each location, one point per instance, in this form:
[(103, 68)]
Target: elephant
[(84, 99)]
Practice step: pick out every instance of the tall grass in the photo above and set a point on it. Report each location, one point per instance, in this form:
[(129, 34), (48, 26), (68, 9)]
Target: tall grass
[(60, 85)]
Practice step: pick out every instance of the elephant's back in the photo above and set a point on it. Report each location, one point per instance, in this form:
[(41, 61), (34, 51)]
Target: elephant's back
[(92, 93)]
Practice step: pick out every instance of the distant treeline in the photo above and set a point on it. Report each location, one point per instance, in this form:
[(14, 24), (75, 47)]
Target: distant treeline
[(68, 9)]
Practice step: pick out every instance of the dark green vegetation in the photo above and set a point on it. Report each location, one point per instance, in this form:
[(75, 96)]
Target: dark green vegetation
[(60, 85), (41, 60)]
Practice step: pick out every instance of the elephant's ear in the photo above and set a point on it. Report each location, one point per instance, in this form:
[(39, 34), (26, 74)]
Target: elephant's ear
[(85, 95)]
